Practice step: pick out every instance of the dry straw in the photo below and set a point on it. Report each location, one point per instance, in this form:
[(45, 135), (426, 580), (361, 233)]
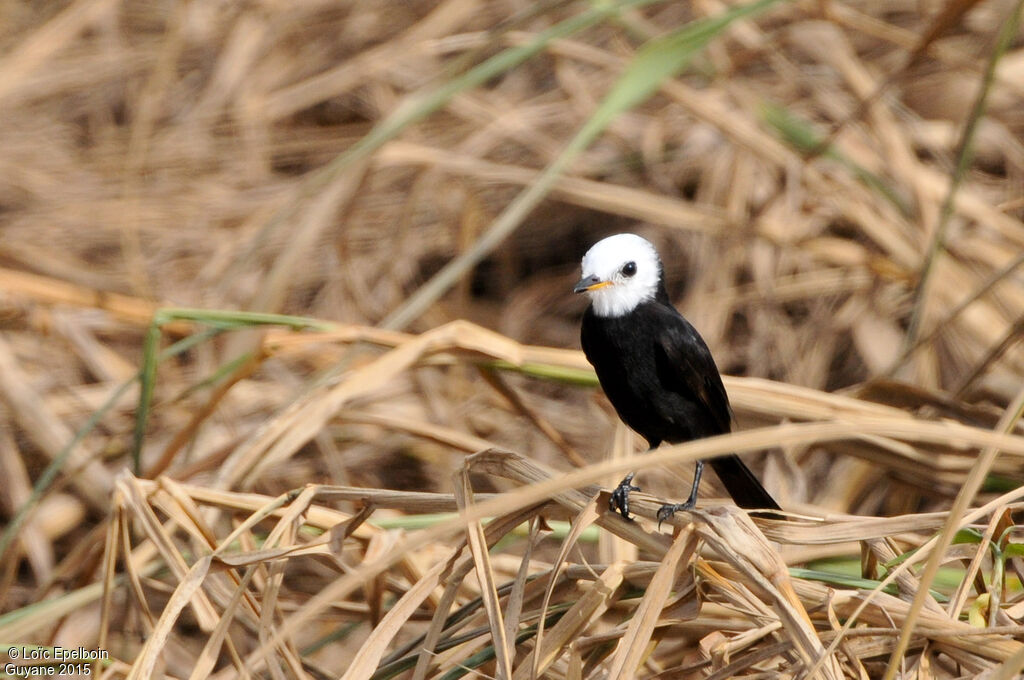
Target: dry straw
[(415, 491)]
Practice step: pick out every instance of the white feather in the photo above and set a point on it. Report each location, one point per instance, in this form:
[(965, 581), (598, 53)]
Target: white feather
[(605, 260)]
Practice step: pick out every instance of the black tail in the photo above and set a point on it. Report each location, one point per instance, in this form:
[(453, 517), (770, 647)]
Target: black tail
[(741, 483)]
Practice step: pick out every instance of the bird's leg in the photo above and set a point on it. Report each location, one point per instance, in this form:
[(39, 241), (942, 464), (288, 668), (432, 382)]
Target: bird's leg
[(619, 500), (666, 511)]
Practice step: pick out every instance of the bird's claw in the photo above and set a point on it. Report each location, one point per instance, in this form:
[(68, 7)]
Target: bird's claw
[(619, 501), (666, 512)]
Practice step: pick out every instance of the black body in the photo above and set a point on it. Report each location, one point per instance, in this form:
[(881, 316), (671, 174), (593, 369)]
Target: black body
[(663, 382)]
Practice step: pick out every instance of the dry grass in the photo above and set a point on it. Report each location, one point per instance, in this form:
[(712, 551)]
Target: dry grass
[(403, 480)]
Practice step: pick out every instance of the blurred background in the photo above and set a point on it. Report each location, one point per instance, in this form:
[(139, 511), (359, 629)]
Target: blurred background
[(836, 189)]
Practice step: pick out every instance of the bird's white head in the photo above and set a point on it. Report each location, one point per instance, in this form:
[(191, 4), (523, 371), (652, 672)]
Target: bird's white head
[(619, 273)]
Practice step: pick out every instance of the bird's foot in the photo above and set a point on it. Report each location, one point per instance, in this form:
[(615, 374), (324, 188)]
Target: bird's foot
[(619, 501), (666, 512)]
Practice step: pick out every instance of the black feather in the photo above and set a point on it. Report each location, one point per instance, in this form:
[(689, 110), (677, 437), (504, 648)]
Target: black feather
[(663, 382)]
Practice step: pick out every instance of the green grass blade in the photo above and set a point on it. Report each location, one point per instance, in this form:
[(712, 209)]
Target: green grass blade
[(57, 464), (232, 319), (846, 581), (580, 377), (419, 105), (223, 371), (660, 59), (800, 135), (220, 320), (1007, 33), (147, 377)]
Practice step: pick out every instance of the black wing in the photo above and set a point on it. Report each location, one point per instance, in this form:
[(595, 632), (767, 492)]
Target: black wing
[(687, 367)]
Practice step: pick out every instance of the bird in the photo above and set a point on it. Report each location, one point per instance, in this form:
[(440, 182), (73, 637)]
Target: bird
[(655, 368)]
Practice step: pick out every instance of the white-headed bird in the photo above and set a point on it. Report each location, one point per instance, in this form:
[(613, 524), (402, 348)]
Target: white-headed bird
[(655, 368)]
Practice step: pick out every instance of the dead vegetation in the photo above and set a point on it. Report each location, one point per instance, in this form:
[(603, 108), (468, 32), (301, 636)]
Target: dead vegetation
[(402, 478)]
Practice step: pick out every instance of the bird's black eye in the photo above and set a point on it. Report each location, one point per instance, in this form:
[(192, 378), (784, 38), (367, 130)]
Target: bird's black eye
[(629, 269)]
